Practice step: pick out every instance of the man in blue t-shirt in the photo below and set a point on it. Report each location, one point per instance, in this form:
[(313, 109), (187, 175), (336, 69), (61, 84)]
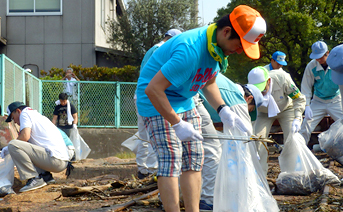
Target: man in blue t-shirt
[(173, 75), (145, 156)]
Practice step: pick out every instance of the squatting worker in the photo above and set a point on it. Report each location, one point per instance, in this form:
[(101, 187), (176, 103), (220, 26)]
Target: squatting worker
[(335, 61), (173, 75), (326, 98), (39, 147), (282, 101)]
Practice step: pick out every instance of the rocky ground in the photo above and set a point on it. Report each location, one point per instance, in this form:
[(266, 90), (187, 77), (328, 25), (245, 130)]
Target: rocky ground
[(121, 173)]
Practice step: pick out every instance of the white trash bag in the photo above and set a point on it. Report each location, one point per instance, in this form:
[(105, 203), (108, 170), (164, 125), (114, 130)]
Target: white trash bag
[(6, 171), (301, 172), (132, 143), (240, 183), (331, 141), (82, 149)]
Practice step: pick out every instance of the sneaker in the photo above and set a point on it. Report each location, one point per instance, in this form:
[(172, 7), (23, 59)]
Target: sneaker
[(5, 190), (47, 177), (141, 175), (32, 184), (203, 206)]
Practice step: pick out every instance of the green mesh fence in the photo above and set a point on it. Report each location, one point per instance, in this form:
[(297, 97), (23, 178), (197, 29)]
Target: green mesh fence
[(18, 85), (99, 104)]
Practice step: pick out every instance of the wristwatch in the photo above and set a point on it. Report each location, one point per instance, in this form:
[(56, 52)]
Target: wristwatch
[(220, 108)]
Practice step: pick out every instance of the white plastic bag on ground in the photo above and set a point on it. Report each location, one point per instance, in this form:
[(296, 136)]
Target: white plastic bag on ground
[(301, 172), (331, 141), (240, 184), (82, 149), (6, 171)]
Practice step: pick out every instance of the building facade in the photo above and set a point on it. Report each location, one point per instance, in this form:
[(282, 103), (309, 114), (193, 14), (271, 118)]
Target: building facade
[(41, 34)]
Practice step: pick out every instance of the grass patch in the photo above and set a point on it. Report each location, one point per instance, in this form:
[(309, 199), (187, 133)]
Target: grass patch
[(125, 155)]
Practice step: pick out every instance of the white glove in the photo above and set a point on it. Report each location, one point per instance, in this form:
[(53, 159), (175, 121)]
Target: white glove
[(296, 125), (4, 152), (186, 132), (308, 113), (74, 126), (232, 119)]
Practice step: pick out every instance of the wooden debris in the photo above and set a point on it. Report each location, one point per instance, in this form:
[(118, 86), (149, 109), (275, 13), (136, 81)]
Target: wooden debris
[(136, 190), (72, 191), (132, 202)]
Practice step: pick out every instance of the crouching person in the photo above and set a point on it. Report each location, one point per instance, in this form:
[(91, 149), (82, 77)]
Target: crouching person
[(38, 148)]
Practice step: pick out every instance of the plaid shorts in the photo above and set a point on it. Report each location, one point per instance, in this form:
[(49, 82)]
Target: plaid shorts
[(174, 155)]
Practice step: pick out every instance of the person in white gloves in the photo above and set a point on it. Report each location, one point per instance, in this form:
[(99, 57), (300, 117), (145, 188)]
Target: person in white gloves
[(145, 157), (65, 114), (282, 101), (326, 98), (174, 74)]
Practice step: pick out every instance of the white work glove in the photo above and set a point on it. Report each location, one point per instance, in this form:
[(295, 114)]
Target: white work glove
[(74, 126), (296, 125), (308, 113), (232, 119), (186, 132), (4, 152)]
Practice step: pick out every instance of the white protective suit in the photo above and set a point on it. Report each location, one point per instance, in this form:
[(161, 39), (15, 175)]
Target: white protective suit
[(326, 97)]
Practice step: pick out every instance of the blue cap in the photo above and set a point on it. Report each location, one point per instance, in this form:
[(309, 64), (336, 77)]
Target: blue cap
[(335, 61), (173, 32), (280, 57), (319, 48), (258, 97)]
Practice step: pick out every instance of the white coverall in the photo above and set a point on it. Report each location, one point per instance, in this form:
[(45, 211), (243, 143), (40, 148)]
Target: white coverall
[(326, 97), (291, 104), (145, 157)]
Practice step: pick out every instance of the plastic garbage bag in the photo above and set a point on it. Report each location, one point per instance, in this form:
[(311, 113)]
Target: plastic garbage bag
[(82, 149), (240, 184), (301, 172), (6, 171), (132, 143), (331, 141)]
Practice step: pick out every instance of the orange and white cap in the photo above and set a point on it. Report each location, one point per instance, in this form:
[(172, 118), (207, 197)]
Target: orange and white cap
[(250, 26)]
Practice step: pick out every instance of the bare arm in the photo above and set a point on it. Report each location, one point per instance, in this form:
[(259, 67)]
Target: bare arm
[(75, 118), (212, 93), (25, 134), (54, 119), (155, 92)]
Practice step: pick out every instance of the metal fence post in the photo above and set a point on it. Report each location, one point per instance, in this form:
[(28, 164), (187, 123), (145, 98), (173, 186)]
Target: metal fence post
[(78, 104), (117, 105)]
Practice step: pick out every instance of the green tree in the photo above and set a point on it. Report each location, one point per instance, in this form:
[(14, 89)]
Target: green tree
[(292, 27), (145, 22)]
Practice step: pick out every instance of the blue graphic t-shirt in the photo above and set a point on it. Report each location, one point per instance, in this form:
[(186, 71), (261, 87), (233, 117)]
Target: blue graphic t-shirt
[(186, 63)]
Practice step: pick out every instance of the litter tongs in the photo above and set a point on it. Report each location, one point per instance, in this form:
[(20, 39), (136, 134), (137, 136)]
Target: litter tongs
[(242, 138)]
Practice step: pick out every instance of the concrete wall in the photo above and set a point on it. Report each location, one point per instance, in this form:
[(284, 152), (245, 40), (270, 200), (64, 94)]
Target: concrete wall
[(105, 142)]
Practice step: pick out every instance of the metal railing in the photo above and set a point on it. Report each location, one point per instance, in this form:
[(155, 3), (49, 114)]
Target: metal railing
[(98, 104), (18, 85)]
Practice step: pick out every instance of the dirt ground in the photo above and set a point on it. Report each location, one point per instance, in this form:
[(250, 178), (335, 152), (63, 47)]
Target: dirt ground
[(108, 170)]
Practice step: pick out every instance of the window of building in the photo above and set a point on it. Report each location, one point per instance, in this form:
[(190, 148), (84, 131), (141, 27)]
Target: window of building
[(34, 7)]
